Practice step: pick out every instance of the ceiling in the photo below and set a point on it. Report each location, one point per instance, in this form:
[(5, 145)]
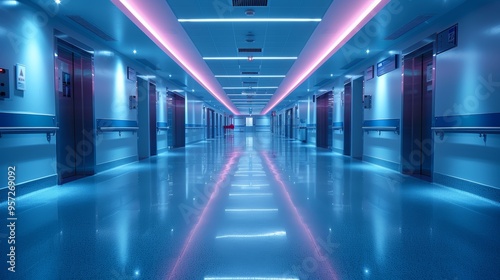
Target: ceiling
[(275, 39)]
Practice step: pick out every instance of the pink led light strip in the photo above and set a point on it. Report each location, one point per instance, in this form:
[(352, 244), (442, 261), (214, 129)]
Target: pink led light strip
[(157, 20), (320, 47)]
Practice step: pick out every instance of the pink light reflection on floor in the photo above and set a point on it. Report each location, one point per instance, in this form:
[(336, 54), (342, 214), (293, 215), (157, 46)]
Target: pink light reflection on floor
[(330, 273), (179, 264)]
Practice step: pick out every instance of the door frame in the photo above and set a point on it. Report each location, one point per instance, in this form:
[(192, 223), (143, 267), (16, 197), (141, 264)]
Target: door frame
[(86, 140), (420, 48)]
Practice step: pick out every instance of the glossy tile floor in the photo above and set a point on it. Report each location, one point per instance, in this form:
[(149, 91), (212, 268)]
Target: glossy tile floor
[(254, 206)]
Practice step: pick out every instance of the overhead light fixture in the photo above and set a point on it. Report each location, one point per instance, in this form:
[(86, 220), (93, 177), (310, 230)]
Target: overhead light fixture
[(9, 3), (152, 18), (258, 235), (250, 87), (57, 2), (215, 20), (250, 76), (253, 57), (342, 20), (135, 51), (250, 58)]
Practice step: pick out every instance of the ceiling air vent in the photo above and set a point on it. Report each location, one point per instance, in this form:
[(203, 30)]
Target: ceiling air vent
[(249, 3), (249, 83), (409, 26), (92, 28), (249, 50)]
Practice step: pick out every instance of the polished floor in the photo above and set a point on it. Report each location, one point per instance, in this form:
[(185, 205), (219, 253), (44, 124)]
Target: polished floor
[(254, 206)]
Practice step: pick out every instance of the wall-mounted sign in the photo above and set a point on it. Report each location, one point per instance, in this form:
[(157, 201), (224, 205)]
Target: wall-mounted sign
[(369, 73), (447, 39), (131, 75), (387, 65), (20, 77)]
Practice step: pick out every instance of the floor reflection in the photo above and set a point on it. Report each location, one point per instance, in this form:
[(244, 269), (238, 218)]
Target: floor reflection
[(254, 206)]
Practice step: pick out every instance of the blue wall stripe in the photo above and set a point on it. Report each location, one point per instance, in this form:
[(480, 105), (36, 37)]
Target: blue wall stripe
[(161, 124), (115, 123), (194, 125), (338, 124), (477, 120), (26, 120), (388, 122)]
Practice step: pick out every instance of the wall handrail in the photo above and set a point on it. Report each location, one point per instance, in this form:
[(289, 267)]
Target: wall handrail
[(367, 129), (481, 130), (108, 125), (118, 129), (49, 130), (382, 125)]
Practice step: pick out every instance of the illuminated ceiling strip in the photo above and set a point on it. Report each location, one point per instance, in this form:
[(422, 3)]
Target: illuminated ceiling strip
[(270, 234), (140, 19), (198, 20), (250, 88), (295, 82), (251, 210), (250, 194), (243, 95), (253, 57), (250, 278), (250, 76)]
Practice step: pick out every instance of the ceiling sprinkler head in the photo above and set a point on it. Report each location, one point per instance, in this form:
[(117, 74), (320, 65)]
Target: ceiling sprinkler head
[(250, 12), (250, 37)]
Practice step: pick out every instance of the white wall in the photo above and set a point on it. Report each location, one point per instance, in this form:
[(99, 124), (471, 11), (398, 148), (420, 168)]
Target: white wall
[(386, 104), (27, 41), (27, 33), (468, 83), (194, 120)]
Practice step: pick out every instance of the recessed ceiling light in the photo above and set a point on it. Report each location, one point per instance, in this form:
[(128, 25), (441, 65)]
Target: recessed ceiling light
[(57, 2), (9, 3), (367, 51), (135, 51), (205, 20), (331, 75)]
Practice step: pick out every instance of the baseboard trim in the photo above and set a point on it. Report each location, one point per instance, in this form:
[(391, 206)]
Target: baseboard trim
[(384, 163), (340, 151), (160, 151), (485, 191), (30, 186), (112, 164)]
